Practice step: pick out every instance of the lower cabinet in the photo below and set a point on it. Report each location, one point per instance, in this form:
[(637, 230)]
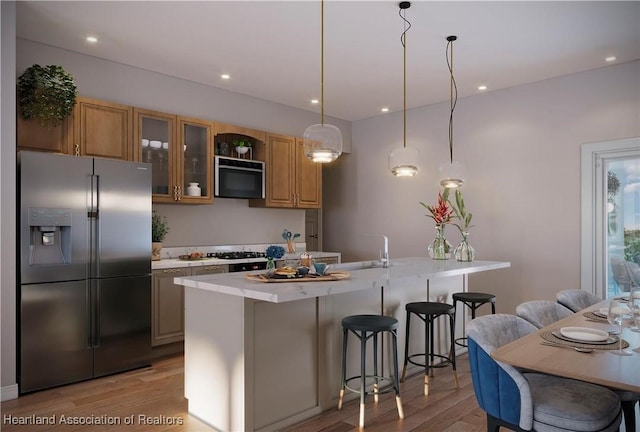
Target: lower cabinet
[(167, 300)]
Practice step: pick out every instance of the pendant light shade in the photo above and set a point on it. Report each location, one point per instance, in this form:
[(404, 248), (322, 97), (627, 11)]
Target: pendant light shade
[(322, 142), (452, 174), (403, 162)]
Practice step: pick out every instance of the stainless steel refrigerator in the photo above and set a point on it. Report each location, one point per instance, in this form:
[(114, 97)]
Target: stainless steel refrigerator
[(85, 268)]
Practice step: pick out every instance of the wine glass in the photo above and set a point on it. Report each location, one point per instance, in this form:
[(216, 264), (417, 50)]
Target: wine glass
[(619, 314)]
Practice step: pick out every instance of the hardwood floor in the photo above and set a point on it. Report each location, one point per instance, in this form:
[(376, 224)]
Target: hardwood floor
[(153, 399)]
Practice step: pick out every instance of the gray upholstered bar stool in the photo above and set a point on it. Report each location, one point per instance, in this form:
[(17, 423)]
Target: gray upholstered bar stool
[(365, 327), (473, 300), (428, 312)]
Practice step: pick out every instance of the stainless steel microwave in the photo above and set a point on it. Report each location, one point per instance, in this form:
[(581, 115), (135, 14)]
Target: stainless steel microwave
[(238, 178)]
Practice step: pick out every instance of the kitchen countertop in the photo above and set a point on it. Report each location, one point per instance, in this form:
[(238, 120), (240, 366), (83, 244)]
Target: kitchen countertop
[(237, 284), (177, 263)]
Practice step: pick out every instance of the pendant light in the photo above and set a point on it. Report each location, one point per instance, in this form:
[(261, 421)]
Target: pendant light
[(403, 162), (451, 173), (322, 142)]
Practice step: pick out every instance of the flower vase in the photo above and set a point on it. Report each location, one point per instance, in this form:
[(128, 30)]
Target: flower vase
[(464, 251), (440, 248), (271, 264)]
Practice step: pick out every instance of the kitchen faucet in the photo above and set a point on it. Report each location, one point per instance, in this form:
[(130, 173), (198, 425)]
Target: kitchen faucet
[(384, 259)]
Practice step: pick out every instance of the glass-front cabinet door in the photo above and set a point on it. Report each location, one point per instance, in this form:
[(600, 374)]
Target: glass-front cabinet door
[(156, 143), (195, 147)]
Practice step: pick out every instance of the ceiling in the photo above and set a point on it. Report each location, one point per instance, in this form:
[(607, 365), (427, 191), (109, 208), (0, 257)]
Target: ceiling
[(271, 49)]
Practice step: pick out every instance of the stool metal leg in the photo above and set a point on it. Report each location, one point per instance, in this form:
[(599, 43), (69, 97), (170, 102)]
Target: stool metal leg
[(344, 367), (428, 348), (375, 367), (452, 353), (396, 383), (406, 347), (363, 356)]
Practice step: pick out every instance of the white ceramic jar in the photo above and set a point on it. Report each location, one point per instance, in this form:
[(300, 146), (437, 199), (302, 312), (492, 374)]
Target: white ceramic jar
[(194, 189)]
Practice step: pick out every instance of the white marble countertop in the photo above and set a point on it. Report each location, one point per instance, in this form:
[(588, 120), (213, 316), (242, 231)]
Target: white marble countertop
[(176, 262), (360, 278)]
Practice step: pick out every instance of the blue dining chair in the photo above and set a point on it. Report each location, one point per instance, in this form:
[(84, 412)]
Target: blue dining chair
[(542, 313), (526, 401)]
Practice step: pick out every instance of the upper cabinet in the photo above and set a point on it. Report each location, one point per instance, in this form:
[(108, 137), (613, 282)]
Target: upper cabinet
[(95, 128), (180, 152), (226, 134), (32, 136), (195, 150), (155, 138), (292, 180), (102, 129)]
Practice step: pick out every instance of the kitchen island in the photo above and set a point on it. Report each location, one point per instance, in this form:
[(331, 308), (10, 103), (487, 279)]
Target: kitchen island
[(262, 356)]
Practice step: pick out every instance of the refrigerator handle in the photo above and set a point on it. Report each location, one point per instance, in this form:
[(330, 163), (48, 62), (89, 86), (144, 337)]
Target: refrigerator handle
[(96, 323), (94, 226), (91, 312)]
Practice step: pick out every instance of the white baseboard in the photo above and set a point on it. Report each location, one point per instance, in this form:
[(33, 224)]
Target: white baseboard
[(9, 392)]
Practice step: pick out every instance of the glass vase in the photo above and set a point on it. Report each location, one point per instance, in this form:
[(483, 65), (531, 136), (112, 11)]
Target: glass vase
[(440, 248), (271, 264), (464, 251)]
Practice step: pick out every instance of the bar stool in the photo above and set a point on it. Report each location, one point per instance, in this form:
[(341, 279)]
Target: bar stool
[(473, 300), (428, 312), (365, 327)]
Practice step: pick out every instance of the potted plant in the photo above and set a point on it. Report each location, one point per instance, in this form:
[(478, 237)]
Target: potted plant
[(46, 94), (242, 145), (159, 230)]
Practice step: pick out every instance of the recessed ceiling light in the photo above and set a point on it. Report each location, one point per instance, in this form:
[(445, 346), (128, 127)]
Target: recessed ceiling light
[(482, 87), (91, 39), (315, 101), (225, 76), (610, 59), (385, 109)]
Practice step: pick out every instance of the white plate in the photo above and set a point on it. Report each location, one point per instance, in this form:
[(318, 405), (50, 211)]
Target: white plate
[(584, 334)]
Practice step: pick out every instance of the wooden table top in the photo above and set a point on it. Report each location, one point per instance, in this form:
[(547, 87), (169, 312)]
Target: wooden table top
[(599, 367)]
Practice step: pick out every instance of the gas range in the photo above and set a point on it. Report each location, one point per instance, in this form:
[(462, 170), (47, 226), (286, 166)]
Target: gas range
[(261, 264), (234, 255)]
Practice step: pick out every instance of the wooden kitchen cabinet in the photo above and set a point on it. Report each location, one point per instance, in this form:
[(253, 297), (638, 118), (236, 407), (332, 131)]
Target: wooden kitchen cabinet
[(292, 180), (155, 141), (195, 153), (180, 152), (226, 133), (32, 136), (167, 300), (102, 129), (167, 306), (95, 128)]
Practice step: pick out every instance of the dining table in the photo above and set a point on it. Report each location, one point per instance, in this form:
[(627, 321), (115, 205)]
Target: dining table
[(542, 351)]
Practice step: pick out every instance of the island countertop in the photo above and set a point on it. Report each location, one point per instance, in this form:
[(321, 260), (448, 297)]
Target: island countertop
[(363, 275)]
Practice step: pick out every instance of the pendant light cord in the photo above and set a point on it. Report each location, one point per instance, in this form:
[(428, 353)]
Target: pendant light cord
[(453, 92), (403, 41), (322, 62)]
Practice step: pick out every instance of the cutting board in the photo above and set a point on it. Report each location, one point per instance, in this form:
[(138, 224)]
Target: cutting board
[(333, 276)]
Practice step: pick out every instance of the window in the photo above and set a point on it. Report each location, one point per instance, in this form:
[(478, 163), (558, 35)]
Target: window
[(610, 255)]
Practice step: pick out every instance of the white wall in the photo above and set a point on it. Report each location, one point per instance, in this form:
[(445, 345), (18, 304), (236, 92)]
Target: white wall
[(522, 151), (7, 202), (190, 225)]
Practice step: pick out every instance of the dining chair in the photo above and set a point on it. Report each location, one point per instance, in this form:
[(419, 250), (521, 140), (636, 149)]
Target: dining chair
[(576, 299), (525, 401), (541, 313)]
